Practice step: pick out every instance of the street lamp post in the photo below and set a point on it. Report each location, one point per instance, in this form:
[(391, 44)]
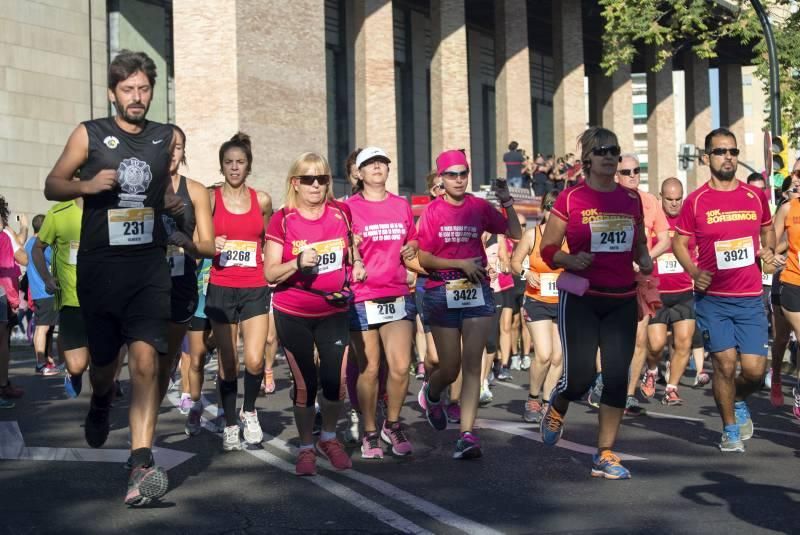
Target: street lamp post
[(774, 86)]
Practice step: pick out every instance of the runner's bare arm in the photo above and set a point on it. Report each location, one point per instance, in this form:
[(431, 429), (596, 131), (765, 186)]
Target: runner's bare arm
[(37, 257), (204, 228), (661, 246), (514, 228), (60, 186), (21, 257), (522, 250), (778, 223), (275, 270), (265, 202), (767, 252)]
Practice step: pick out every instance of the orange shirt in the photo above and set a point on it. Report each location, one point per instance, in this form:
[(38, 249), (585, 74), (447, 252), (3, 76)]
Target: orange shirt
[(791, 274), (655, 220), (547, 276)]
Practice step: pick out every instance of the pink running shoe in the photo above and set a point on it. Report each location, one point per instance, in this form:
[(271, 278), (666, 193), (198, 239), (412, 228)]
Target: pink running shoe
[(334, 452), (306, 464), (371, 446), (453, 411), (775, 392), (796, 408), (396, 436), (423, 403)]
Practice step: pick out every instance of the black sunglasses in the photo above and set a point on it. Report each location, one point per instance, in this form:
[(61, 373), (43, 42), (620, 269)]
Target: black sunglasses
[(308, 180), (602, 150), (455, 174), (722, 151), (629, 172)]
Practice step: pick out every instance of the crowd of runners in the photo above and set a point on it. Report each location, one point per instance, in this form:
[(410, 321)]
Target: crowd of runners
[(608, 290)]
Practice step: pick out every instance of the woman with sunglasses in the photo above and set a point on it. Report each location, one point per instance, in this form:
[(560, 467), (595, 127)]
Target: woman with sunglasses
[(458, 299), (785, 222), (311, 259), (603, 226), (541, 313), (383, 312), (237, 296)]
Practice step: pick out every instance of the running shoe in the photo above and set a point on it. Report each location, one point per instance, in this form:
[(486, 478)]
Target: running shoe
[(743, 420), (596, 392), (96, 425), (193, 422), (10, 391), (648, 385), (768, 379), (306, 464), (49, 370), (701, 380), (351, 432), (268, 384), (671, 397), (453, 411), (775, 392), (435, 413), (533, 411), (396, 436), (231, 441), (632, 407), (371, 446), (334, 452), (468, 446), (486, 394), (73, 384), (420, 371), (731, 442), (421, 396), (608, 466), (526, 362), (796, 408), (491, 379), (146, 484), (516, 362), (185, 404), (6, 404), (252, 428), (552, 426), (504, 375)]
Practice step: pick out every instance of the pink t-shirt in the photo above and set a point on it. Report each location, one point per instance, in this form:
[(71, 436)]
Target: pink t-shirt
[(727, 228), (384, 227), (503, 281), (606, 224), (450, 231), (671, 275), (329, 236)]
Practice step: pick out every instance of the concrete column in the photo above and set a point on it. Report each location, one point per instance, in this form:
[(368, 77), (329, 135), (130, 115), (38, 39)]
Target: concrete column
[(449, 78), (255, 59), (569, 110), (731, 107), (419, 75), (611, 104), (376, 112), (698, 113), (662, 153), (514, 120)]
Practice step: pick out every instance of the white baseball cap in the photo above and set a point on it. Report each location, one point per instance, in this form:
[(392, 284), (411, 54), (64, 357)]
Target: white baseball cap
[(370, 153)]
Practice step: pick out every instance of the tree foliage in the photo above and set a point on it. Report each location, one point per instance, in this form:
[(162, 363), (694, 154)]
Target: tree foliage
[(699, 25)]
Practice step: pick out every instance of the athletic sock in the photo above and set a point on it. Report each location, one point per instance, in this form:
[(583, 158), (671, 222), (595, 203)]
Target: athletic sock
[(672, 387), (306, 447), (227, 394), (142, 457), (252, 385), (185, 395), (325, 436), (732, 430)]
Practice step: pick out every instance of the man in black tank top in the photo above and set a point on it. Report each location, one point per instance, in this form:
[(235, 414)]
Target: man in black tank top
[(123, 277)]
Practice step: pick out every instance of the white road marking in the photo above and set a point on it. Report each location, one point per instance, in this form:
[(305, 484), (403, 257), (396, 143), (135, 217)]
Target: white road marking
[(667, 416), (775, 431)]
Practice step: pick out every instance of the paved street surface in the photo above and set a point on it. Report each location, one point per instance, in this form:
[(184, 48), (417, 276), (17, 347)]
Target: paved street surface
[(681, 482)]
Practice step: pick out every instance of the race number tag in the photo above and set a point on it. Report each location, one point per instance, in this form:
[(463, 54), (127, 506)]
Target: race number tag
[(176, 260), (736, 253), (462, 293), (74, 245), (385, 312), (331, 255), (612, 235), (668, 264), (547, 284), (238, 253), (766, 279), (130, 226)]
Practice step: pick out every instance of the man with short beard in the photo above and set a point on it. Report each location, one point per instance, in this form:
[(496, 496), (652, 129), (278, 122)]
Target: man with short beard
[(731, 223), (123, 281)]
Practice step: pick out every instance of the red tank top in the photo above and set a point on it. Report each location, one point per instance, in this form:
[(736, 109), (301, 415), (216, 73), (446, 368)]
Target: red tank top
[(241, 262)]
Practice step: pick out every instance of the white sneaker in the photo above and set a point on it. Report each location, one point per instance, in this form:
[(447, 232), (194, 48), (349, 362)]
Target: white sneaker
[(351, 432), (486, 395), (231, 440), (768, 378), (252, 428), (526, 362), (515, 362)]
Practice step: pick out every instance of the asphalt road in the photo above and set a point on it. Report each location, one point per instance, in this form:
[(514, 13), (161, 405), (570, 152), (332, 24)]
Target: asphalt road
[(681, 482)]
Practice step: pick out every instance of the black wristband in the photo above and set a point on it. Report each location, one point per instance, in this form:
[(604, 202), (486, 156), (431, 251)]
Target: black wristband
[(298, 261)]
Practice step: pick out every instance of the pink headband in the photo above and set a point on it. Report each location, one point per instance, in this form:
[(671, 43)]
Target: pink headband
[(450, 158)]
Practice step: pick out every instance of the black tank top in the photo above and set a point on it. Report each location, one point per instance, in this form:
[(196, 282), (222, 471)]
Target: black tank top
[(182, 274), (142, 162)]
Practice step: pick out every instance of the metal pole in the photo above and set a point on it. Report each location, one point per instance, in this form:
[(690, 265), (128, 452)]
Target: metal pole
[(774, 85)]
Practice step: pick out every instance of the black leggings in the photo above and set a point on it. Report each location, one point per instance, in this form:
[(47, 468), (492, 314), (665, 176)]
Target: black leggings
[(586, 323), (299, 336)]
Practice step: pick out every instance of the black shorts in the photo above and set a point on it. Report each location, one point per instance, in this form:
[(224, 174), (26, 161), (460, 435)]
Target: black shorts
[(124, 302), (775, 289), (234, 305), (199, 324), (505, 299), (71, 328), (44, 311), (183, 300), (676, 307), (540, 311), (790, 297)]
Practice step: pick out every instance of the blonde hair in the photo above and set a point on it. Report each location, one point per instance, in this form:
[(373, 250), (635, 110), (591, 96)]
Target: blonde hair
[(592, 137), (304, 162)]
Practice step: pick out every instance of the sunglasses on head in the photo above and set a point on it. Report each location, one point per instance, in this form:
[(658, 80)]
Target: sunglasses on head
[(722, 151), (629, 172), (602, 150), (456, 174), (308, 180)]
